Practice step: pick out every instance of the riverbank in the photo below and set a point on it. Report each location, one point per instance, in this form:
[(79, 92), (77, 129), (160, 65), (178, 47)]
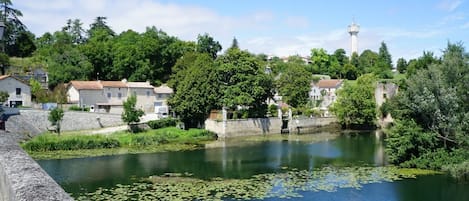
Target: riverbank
[(52, 146)]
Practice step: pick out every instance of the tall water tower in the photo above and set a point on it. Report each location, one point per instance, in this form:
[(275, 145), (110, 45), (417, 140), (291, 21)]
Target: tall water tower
[(353, 31)]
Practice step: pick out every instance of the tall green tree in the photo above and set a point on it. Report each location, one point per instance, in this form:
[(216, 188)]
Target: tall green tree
[(206, 44), (244, 82), (384, 57), (341, 56), (100, 24), (401, 65), (435, 100), (18, 41), (355, 105), (197, 89), (320, 61), (294, 85)]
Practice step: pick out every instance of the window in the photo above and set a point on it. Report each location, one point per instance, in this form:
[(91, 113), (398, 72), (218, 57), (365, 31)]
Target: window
[(119, 95), (135, 93), (159, 103), (385, 96), (109, 95), (148, 93), (18, 91), (160, 96)]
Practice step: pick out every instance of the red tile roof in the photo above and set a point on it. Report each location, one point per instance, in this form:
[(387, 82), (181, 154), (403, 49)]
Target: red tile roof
[(332, 83), (90, 85), (115, 84)]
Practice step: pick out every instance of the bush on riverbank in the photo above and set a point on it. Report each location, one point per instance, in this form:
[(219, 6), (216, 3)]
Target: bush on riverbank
[(51, 142), (163, 123)]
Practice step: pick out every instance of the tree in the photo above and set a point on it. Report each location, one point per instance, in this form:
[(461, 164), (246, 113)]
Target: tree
[(294, 85), (244, 82), (320, 61), (55, 117), (131, 114), (101, 25), (18, 41), (341, 56), (35, 87), (401, 65), (206, 44), (4, 96), (197, 90), (384, 58), (4, 62), (434, 101), (355, 105), (234, 44)]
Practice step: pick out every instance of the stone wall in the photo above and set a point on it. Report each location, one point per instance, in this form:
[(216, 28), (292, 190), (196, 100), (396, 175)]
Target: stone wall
[(260, 126), (303, 125), (21, 178), (244, 127), (33, 122)]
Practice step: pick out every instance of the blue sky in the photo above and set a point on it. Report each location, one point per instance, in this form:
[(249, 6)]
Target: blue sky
[(274, 27)]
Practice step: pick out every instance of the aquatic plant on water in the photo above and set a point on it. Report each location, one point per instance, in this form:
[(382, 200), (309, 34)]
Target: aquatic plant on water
[(286, 184)]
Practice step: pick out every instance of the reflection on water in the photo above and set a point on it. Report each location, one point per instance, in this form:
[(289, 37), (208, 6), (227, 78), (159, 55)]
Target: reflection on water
[(235, 159)]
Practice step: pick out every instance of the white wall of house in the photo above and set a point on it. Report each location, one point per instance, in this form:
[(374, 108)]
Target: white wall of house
[(145, 98), (17, 90), (115, 95)]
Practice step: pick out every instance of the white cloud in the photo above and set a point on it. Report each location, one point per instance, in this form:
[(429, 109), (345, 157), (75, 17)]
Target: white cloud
[(465, 26), (297, 22), (449, 5)]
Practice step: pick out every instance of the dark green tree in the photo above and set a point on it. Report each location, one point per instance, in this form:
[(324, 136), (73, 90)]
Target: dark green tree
[(355, 105), (197, 89), (244, 82), (384, 58), (4, 62), (434, 101), (401, 65), (234, 44), (206, 44), (55, 117), (4, 96), (341, 56), (15, 34), (100, 24)]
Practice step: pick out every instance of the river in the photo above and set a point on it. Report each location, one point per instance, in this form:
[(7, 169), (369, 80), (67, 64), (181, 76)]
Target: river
[(235, 159)]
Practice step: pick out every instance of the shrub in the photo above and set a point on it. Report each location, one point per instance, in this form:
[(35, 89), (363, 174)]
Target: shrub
[(273, 110), (163, 123), (78, 108), (53, 143)]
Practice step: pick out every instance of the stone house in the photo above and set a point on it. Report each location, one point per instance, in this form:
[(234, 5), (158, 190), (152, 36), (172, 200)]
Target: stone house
[(325, 90), (162, 92), (19, 91), (109, 96)]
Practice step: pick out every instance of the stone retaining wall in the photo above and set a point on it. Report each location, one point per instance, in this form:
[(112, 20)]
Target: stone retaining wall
[(32, 122), (259, 126), (21, 178), (244, 127)]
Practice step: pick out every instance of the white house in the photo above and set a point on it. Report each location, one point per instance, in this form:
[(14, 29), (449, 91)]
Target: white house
[(325, 90), (162, 92), (19, 91), (109, 96)]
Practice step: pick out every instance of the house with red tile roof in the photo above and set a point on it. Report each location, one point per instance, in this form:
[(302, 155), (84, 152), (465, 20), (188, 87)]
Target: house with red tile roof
[(325, 90), (109, 96)]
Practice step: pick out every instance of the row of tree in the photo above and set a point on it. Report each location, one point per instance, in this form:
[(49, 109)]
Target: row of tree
[(431, 113)]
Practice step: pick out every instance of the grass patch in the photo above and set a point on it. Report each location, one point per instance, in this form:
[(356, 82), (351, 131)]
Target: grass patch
[(50, 146)]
